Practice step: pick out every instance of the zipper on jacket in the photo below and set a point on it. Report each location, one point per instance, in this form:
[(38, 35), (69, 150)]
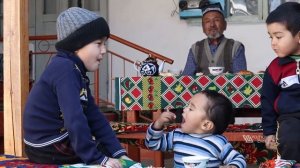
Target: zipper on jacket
[(298, 69)]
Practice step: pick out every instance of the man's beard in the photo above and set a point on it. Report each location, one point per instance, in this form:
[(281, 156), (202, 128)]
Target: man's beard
[(214, 36)]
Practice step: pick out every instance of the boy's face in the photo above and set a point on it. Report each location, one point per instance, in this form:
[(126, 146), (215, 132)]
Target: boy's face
[(282, 41), (194, 117), (92, 53)]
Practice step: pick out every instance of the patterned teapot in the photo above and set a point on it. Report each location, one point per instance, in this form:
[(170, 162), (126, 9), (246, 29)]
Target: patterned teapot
[(149, 67)]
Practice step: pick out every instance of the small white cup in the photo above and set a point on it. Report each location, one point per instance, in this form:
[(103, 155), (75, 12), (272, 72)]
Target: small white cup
[(195, 161), (216, 70)]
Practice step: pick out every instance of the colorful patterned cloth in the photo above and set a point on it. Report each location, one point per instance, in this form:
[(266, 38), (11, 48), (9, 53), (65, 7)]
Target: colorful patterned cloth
[(10, 161), (254, 152), (125, 164), (281, 163), (152, 93), (125, 127), (274, 163)]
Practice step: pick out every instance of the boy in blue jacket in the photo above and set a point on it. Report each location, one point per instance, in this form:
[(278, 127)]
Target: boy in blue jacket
[(281, 85), (62, 123)]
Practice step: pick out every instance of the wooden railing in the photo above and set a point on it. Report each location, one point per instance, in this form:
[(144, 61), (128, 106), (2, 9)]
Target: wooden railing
[(142, 49), (44, 46)]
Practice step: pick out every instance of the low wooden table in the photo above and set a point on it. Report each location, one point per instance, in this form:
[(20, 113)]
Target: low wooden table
[(134, 94)]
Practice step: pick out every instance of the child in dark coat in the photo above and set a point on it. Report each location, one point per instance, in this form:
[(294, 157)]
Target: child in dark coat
[(281, 85), (62, 123)]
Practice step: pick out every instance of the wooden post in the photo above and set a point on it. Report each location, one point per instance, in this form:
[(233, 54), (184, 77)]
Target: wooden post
[(16, 72)]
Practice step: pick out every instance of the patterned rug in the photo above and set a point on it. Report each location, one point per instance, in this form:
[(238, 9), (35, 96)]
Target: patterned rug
[(10, 161), (254, 152)]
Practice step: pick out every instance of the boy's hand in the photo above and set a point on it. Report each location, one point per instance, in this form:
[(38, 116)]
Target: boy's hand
[(164, 118), (125, 157), (270, 142), (113, 163)]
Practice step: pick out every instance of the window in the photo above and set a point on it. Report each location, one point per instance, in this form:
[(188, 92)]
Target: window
[(245, 10), (242, 7), (274, 3), (93, 5), (49, 7), (251, 10)]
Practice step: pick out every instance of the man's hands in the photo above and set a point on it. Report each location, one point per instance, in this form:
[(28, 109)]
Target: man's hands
[(164, 118), (270, 142)]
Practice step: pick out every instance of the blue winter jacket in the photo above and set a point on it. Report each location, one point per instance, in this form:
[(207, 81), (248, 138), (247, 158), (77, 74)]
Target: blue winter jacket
[(60, 105)]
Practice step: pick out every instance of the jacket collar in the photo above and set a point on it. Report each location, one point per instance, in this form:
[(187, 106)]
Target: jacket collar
[(71, 56), (285, 60)]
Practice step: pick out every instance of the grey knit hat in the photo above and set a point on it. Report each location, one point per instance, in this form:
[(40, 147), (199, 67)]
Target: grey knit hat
[(77, 27)]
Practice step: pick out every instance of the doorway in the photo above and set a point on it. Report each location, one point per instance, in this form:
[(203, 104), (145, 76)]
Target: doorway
[(42, 21)]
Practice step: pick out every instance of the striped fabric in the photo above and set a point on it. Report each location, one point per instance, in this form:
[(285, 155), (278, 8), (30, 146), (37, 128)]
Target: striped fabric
[(216, 147), (281, 163)]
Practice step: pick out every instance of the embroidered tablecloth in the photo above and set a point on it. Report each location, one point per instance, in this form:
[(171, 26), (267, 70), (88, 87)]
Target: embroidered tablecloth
[(152, 93)]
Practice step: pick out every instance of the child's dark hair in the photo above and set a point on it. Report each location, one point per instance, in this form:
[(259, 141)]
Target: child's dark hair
[(219, 110), (288, 14)]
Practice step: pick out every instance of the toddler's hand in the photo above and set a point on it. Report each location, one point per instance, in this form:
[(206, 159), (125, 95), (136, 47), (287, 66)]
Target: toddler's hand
[(270, 142), (113, 163), (164, 118)]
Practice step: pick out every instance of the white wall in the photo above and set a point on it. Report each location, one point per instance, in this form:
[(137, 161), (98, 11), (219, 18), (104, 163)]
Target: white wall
[(149, 23)]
